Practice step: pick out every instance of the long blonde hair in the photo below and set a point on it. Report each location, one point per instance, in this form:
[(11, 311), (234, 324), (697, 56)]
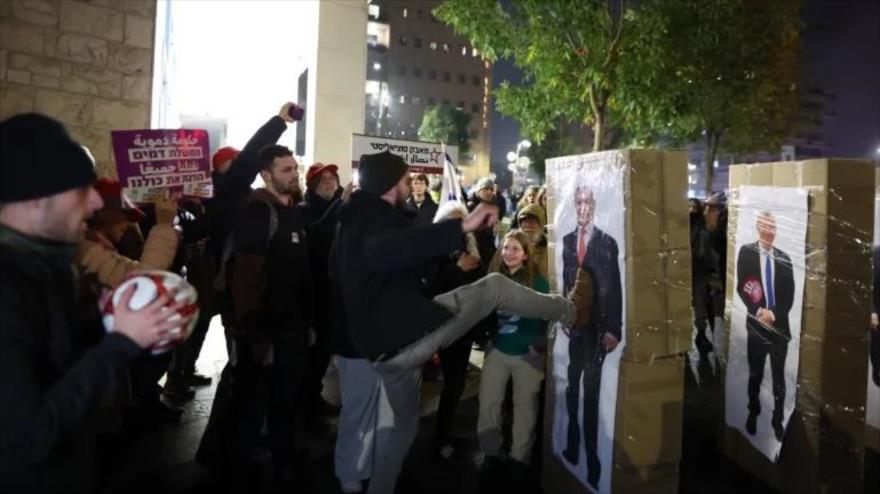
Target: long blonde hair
[(529, 268)]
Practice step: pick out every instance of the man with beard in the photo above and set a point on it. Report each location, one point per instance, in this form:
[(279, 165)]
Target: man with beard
[(531, 220), (271, 289)]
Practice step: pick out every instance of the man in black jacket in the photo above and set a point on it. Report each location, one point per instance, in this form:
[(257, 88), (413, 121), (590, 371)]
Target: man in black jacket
[(234, 172), (391, 321), (53, 388), (271, 290), (765, 284), (420, 203), (589, 249)]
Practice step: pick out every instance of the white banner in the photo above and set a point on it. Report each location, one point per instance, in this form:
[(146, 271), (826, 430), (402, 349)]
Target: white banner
[(422, 157)]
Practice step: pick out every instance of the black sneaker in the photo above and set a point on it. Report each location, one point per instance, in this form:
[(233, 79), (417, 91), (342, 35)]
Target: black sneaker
[(197, 380), (178, 392)]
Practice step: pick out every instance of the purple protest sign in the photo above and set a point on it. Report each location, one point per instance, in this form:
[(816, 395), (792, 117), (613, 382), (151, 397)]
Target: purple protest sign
[(152, 163)]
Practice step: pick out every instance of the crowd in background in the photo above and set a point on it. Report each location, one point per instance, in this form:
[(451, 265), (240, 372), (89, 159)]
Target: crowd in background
[(268, 263)]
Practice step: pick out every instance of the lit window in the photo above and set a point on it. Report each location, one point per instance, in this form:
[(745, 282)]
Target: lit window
[(377, 66), (373, 11), (464, 50), (460, 106), (402, 99), (404, 13), (475, 52), (403, 41), (446, 47), (433, 45)]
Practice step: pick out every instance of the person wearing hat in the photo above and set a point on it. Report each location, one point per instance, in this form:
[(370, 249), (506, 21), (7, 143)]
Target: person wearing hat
[(52, 389), (392, 322), (531, 220), (484, 192), (98, 251), (323, 193), (419, 203)]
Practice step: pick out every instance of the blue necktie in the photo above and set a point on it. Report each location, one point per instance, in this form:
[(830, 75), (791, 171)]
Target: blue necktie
[(768, 277)]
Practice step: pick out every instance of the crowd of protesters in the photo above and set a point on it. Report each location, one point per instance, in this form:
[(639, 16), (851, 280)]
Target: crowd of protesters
[(377, 281)]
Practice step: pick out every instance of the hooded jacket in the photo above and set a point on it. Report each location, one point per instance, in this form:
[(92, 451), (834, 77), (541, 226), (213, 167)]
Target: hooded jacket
[(380, 273)]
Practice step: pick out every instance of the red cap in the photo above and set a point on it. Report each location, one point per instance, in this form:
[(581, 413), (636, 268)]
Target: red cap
[(223, 155), (111, 193), (317, 169)]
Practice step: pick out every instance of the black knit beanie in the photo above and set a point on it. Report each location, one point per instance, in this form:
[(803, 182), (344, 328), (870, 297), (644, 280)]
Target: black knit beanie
[(379, 172), (39, 159)]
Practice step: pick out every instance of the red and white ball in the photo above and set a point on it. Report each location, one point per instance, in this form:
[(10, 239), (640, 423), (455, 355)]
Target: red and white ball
[(150, 285)]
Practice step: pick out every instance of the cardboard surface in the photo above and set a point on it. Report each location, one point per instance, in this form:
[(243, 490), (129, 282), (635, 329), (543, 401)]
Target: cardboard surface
[(823, 450)]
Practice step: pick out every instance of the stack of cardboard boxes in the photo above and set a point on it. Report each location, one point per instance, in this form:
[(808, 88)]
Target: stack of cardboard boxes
[(648, 425), (823, 449)]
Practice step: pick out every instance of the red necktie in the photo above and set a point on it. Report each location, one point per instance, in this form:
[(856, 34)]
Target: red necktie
[(582, 247)]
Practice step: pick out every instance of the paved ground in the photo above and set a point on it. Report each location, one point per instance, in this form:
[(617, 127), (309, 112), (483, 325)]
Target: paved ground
[(161, 460)]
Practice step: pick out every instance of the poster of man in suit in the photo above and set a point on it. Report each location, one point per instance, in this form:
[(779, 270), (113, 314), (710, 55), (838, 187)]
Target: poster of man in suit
[(872, 416), (588, 232), (765, 329)]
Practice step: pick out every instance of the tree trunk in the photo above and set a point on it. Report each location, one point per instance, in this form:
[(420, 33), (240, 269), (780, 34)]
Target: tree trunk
[(712, 140), (599, 130)]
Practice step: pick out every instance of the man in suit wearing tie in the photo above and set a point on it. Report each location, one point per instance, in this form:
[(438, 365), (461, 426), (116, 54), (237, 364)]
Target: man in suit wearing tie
[(594, 251), (765, 284)]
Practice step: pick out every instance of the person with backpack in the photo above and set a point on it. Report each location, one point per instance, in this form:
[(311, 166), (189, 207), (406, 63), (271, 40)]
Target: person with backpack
[(270, 289)]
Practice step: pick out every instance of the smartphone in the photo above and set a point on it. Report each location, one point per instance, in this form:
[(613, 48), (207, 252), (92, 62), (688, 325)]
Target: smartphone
[(296, 112)]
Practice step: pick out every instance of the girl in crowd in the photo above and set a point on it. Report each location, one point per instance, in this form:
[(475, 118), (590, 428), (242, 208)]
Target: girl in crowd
[(517, 352)]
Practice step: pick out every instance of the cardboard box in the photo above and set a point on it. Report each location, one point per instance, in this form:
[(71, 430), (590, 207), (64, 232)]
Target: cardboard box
[(648, 422), (647, 445), (823, 449)]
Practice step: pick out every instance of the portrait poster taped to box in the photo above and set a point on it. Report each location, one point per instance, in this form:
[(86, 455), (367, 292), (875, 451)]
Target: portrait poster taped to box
[(765, 327), (589, 234), (157, 163), (872, 416)]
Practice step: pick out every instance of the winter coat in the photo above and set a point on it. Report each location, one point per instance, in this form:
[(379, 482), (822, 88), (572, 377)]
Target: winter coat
[(424, 214), (110, 267), (52, 390), (380, 273)]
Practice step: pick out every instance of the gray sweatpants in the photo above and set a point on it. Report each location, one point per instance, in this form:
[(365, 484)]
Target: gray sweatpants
[(400, 376), (378, 422)]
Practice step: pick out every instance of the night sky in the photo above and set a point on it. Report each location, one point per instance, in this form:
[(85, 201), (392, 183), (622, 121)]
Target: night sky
[(840, 53)]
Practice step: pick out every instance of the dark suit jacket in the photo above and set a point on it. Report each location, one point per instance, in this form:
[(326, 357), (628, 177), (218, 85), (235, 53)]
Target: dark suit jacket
[(601, 263), (748, 268)]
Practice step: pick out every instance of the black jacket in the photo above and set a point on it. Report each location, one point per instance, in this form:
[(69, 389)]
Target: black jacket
[(53, 391), (381, 273), (601, 262), (232, 189), (877, 280), (271, 279), (748, 273), (424, 214)]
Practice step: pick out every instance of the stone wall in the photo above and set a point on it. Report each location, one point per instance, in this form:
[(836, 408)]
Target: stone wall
[(87, 63)]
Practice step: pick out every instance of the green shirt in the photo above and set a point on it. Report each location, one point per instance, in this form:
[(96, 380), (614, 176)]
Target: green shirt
[(516, 333)]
